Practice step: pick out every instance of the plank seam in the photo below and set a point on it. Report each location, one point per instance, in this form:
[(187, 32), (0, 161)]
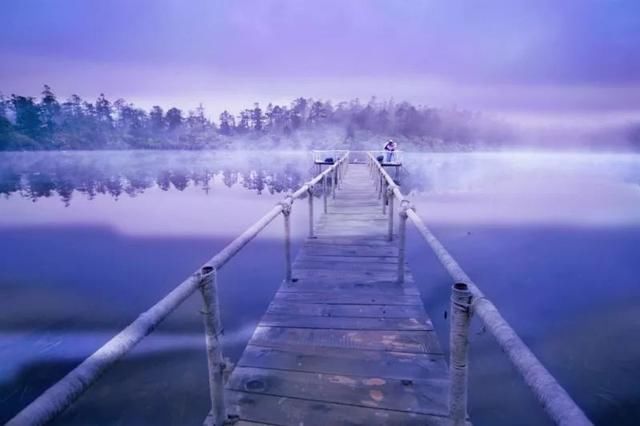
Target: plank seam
[(276, 395)]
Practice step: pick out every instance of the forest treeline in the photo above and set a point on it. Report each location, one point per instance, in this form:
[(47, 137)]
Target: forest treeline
[(28, 123), (48, 123)]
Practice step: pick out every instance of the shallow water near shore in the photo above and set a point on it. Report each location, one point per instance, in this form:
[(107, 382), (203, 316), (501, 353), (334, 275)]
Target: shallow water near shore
[(88, 240)]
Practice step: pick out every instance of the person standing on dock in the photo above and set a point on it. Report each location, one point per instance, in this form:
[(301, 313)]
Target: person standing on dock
[(389, 149)]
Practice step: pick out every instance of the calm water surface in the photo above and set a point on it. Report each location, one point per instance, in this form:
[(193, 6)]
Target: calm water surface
[(89, 240)]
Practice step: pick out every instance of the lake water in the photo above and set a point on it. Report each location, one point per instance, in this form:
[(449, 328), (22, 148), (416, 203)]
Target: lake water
[(90, 240)]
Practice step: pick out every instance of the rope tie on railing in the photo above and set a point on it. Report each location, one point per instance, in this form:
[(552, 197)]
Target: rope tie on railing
[(286, 204), (474, 301), (389, 191), (467, 306), (406, 205)]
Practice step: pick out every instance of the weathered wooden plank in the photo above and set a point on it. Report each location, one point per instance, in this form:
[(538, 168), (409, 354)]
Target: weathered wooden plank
[(210, 421), (293, 411), (340, 226), (324, 242), (348, 279), (425, 396), (361, 220), (360, 232), (360, 202), (353, 197), (303, 257), (350, 251), (333, 265), (323, 360), (350, 233), (365, 274), (371, 298), (362, 215), (346, 310), (328, 285), (371, 209), (353, 233), (365, 250), (341, 241), (394, 341), (345, 323), (353, 202)]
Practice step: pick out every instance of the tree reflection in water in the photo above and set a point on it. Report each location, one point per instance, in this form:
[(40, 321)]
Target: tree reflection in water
[(43, 175), (36, 175)]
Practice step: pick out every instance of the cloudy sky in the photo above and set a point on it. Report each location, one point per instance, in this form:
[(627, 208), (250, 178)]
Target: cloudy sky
[(514, 56)]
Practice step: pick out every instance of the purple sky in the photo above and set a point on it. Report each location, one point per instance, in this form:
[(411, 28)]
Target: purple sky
[(516, 56)]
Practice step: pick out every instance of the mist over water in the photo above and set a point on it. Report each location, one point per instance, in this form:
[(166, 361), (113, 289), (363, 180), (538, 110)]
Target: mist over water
[(552, 240), (511, 188), (90, 240)]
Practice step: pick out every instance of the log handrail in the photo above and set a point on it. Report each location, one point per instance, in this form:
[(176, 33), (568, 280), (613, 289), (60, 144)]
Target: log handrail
[(556, 402), (64, 392)]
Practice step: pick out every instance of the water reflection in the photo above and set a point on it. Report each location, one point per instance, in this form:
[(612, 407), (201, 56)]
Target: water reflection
[(44, 175)]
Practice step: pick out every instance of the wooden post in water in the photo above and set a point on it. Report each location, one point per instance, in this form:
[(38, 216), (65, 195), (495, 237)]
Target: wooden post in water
[(310, 195), (385, 194), (390, 197), (324, 192), (402, 231), (335, 183), (213, 330), (459, 348), (376, 176), (286, 214)]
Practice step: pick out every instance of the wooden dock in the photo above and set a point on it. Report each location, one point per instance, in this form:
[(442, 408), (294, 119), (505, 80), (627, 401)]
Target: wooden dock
[(343, 342), (346, 339)]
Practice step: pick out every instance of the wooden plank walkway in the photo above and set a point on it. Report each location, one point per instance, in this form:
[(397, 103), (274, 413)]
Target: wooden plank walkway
[(343, 343)]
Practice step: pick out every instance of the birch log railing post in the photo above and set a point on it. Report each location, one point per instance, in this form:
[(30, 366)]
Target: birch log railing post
[(324, 192), (213, 330), (458, 352), (402, 231), (390, 197), (555, 401), (334, 183), (384, 199), (286, 214), (310, 207)]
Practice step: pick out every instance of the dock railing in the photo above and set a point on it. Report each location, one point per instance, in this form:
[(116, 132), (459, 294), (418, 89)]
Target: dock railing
[(63, 393), (389, 158), (321, 156), (467, 300)]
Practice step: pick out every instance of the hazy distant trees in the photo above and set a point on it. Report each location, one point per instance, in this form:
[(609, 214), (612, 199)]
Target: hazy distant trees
[(174, 119), (47, 123), (227, 123)]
